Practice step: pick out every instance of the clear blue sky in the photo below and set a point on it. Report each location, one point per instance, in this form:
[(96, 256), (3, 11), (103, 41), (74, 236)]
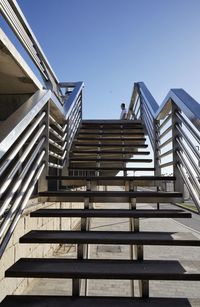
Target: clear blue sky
[(110, 44)]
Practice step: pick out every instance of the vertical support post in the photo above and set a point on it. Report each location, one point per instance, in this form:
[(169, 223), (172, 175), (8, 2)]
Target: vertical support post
[(123, 149), (98, 163), (83, 249), (88, 205), (68, 143), (75, 287), (132, 221), (178, 183), (156, 148), (97, 171), (81, 106), (42, 182), (144, 288), (157, 155), (141, 109), (65, 169), (138, 249), (81, 252)]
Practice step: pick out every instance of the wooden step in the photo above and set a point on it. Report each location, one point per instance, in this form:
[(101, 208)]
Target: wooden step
[(112, 196), (110, 237), (92, 301), (103, 269), (115, 213)]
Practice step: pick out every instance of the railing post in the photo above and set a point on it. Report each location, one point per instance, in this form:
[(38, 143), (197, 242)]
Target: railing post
[(42, 182), (65, 170), (178, 183), (140, 108), (157, 155), (156, 149)]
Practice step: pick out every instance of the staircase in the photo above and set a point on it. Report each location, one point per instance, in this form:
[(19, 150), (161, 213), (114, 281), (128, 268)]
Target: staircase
[(50, 154), (99, 151)]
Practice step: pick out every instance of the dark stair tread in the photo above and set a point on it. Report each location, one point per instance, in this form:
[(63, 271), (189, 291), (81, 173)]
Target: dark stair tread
[(122, 133), (111, 128), (150, 169), (91, 301), (111, 121), (111, 196), (116, 213), (103, 269), (110, 237), (111, 181), (138, 145), (133, 144), (110, 152), (132, 194), (114, 178), (119, 139), (117, 123), (110, 160)]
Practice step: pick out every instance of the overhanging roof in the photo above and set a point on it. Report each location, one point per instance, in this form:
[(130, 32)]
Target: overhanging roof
[(16, 77)]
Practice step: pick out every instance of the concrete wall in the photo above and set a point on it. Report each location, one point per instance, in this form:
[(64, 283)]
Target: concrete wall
[(10, 103), (15, 250)]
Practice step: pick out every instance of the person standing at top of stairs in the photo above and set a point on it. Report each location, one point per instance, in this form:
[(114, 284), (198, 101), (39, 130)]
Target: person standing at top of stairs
[(123, 114)]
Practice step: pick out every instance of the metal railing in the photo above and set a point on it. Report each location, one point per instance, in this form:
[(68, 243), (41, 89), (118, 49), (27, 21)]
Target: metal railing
[(19, 25), (62, 135), (29, 139), (174, 132), (21, 165), (37, 137)]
